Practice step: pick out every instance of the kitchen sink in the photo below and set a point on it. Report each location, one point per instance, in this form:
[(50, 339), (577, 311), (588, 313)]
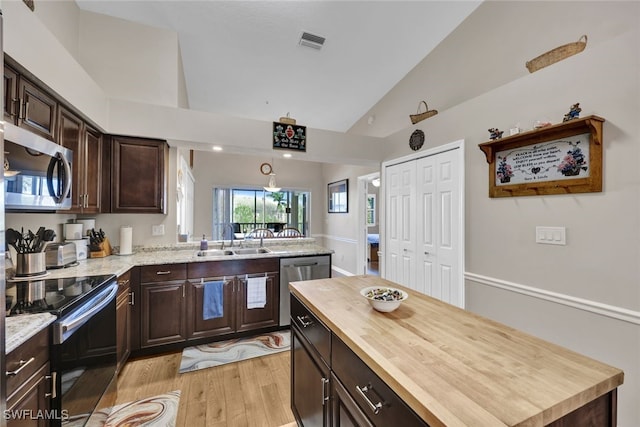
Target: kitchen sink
[(251, 251), (215, 252)]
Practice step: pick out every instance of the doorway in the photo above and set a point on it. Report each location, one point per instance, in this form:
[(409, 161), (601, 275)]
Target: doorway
[(369, 224)]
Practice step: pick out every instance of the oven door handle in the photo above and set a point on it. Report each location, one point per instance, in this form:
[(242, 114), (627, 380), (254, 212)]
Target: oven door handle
[(65, 328)]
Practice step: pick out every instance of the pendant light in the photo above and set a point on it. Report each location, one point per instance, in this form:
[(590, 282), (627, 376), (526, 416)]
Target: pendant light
[(272, 186)]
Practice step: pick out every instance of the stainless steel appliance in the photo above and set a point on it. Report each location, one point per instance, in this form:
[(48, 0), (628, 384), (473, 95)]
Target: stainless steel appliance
[(83, 348), (37, 172), (297, 269), (60, 255)]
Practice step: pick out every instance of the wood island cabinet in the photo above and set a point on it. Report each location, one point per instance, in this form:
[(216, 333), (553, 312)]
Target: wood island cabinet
[(310, 371), (28, 381), (138, 182), (423, 364), (86, 144)]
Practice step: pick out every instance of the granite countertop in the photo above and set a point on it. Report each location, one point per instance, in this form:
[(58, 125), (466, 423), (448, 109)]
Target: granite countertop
[(20, 328), (453, 367)]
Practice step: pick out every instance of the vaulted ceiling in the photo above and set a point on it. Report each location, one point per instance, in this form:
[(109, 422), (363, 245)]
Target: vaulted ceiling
[(244, 59)]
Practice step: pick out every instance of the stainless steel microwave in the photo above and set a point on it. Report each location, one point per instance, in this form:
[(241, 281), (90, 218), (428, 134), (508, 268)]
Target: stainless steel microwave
[(37, 172)]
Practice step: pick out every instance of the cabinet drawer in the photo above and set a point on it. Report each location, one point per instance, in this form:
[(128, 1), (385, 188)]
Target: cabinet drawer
[(19, 360), (369, 392), (311, 328), (163, 273)]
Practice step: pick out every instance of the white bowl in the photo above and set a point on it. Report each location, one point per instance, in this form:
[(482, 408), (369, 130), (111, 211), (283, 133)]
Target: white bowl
[(378, 297)]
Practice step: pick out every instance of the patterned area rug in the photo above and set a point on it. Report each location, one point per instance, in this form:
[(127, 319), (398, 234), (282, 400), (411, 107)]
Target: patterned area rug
[(219, 353), (157, 411)]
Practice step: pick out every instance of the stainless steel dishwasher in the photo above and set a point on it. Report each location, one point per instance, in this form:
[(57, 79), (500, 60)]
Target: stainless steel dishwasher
[(297, 269)]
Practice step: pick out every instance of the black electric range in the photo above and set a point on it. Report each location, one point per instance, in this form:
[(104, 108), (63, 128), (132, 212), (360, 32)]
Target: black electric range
[(56, 296)]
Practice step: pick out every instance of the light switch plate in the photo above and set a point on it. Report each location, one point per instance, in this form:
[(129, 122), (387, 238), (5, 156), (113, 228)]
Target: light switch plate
[(157, 230), (551, 235)]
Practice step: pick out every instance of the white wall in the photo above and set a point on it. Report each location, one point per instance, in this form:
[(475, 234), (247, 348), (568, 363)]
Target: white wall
[(129, 60), (50, 60), (585, 295), (341, 229)]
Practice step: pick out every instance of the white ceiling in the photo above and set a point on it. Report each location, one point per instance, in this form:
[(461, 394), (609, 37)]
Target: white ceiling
[(242, 58)]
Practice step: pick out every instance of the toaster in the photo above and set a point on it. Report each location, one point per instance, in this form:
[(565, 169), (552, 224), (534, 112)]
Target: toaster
[(59, 255)]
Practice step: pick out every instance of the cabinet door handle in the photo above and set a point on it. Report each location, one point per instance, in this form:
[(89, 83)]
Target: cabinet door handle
[(303, 322), (163, 273), (23, 364), (12, 107), (375, 407), (132, 298), (123, 282), (51, 377), (325, 395), (26, 110)]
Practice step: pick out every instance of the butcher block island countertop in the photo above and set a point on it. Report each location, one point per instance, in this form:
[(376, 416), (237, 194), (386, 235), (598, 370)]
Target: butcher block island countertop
[(455, 368)]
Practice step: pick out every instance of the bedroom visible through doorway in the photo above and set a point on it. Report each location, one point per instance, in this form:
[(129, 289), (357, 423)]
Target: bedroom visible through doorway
[(369, 224)]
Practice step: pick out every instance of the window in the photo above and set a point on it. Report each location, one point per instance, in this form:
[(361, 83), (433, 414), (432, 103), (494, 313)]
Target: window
[(247, 209), (371, 210)]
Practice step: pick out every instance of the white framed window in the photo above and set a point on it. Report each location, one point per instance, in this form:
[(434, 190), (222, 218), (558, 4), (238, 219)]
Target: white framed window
[(371, 210)]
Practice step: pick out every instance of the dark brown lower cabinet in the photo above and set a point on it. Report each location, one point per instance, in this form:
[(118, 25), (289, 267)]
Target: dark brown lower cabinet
[(310, 378), (202, 328), (28, 383), (123, 322), (163, 313), (30, 405), (168, 300)]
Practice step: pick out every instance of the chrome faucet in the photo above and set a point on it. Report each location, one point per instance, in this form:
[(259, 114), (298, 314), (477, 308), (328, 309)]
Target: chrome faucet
[(232, 235)]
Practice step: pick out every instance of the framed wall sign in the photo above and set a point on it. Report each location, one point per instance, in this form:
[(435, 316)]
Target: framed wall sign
[(289, 136), (338, 196), (559, 159)]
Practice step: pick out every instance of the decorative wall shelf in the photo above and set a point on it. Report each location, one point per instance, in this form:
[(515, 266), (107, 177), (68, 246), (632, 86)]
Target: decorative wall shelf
[(561, 159)]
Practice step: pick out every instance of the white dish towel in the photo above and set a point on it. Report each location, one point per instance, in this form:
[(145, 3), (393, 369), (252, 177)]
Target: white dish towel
[(256, 292)]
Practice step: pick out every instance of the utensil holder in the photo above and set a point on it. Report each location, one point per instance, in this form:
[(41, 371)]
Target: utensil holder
[(105, 250), (30, 264)]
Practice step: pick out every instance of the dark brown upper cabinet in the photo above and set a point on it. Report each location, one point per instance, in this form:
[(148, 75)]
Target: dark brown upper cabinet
[(29, 106), (86, 144), (138, 176)]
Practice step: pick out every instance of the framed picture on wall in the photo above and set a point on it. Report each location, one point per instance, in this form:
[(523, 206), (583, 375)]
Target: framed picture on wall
[(338, 196)]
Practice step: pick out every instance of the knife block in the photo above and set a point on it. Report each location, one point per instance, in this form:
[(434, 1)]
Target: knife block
[(105, 250)]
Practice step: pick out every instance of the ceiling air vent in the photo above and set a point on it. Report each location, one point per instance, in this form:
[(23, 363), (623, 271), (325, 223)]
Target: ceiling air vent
[(311, 40)]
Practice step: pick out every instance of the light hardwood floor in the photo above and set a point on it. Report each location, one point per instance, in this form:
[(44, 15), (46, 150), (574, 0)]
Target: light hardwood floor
[(253, 392)]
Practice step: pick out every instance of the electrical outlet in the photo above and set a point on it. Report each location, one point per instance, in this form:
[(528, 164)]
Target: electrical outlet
[(551, 235), (157, 230)]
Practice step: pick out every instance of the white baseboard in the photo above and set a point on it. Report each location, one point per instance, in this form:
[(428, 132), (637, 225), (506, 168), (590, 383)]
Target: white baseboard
[(618, 313)]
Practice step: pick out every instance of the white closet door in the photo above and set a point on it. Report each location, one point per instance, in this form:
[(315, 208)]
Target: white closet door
[(400, 251), (426, 221), (438, 214)]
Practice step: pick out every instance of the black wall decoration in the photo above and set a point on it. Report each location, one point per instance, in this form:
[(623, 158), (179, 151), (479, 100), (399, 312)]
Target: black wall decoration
[(289, 136)]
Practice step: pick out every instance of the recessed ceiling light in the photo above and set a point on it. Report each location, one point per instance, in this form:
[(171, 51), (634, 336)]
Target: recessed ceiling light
[(287, 155), (217, 148)]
